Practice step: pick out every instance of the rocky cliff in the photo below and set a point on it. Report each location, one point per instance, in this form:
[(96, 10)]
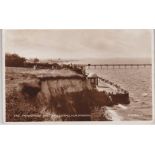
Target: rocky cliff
[(58, 96)]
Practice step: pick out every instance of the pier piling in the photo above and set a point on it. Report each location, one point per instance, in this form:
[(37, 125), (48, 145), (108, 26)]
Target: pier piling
[(113, 66)]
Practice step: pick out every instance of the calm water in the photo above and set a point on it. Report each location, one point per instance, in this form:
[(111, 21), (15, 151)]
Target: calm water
[(138, 81)]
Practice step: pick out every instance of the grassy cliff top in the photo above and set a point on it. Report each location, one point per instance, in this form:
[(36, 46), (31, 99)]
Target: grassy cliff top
[(44, 73), (62, 73)]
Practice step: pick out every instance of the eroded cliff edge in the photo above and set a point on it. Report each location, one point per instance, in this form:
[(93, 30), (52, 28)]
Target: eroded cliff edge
[(53, 95)]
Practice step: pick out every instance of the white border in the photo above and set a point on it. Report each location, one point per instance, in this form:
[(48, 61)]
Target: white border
[(80, 122), (3, 76), (153, 76), (1, 79)]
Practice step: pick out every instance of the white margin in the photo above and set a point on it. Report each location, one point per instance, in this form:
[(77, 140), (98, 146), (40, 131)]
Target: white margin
[(153, 75), (3, 76), (1, 80)]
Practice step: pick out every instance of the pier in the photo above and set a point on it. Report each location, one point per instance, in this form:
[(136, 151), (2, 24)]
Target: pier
[(114, 66)]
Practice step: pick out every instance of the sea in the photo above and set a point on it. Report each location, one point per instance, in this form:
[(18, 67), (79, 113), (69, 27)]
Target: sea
[(138, 82)]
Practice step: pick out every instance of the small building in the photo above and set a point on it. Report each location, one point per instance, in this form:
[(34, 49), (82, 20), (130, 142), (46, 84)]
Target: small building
[(93, 78)]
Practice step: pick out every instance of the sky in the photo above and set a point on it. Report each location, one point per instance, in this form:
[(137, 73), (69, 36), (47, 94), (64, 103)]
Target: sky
[(79, 44)]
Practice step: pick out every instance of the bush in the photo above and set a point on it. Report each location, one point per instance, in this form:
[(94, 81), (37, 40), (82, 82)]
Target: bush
[(14, 60)]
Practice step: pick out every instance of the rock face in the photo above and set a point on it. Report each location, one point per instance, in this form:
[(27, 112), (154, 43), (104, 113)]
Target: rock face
[(63, 86), (75, 98), (65, 97)]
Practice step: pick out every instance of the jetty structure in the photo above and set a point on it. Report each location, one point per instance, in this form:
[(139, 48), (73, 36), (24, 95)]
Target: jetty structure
[(115, 66)]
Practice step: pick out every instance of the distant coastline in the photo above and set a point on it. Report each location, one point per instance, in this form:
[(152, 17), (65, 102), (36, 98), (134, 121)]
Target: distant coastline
[(115, 61)]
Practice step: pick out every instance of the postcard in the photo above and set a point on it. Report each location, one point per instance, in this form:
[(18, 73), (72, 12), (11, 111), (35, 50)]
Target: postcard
[(78, 75)]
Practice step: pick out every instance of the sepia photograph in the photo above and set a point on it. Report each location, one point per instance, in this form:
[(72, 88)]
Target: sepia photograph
[(77, 76), (74, 75)]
